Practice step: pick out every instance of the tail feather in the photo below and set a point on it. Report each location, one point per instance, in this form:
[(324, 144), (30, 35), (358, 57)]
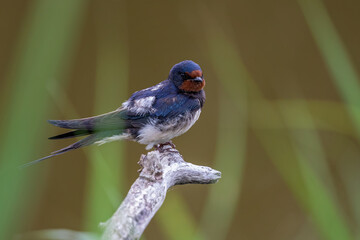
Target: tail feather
[(82, 143), (107, 121), (76, 133), (89, 140), (84, 123)]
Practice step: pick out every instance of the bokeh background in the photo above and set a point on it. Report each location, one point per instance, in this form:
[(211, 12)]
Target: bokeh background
[(281, 121)]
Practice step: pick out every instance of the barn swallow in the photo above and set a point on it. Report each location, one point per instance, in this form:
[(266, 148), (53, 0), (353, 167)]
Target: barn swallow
[(152, 116)]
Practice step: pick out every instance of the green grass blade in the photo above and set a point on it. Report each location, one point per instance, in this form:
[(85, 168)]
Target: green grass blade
[(350, 176), (338, 61), (334, 54), (174, 205), (231, 142), (328, 116), (305, 184), (105, 183), (44, 50), (307, 144), (318, 194), (229, 159)]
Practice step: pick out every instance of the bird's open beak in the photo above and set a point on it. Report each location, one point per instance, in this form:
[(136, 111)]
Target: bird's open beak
[(197, 79)]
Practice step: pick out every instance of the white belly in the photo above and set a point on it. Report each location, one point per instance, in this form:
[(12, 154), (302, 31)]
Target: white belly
[(153, 133)]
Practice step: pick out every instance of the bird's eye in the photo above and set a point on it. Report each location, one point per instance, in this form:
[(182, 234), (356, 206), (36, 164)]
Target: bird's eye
[(183, 75)]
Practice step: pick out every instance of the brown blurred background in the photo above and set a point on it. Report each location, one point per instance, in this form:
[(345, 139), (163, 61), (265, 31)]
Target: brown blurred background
[(281, 120)]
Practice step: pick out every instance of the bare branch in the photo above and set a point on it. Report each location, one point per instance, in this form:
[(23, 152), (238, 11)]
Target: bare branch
[(160, 171)]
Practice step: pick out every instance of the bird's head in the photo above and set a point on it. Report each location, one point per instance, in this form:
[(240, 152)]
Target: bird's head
[(187, 76)]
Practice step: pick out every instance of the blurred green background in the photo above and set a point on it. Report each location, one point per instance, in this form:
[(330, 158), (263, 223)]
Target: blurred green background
[(281, 121)]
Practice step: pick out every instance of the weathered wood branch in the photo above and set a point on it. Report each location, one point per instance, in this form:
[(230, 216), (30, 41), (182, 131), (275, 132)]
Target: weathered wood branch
[(160, 171)]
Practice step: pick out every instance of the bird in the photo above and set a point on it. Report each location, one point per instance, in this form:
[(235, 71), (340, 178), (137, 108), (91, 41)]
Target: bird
[(152, 116)]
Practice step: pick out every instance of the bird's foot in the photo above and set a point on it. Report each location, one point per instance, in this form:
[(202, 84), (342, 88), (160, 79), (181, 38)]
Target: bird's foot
[(168, 146), (141, 163), (171, 144)]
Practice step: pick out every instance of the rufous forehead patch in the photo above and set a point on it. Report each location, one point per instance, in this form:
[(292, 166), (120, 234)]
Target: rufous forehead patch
[(195, 73)]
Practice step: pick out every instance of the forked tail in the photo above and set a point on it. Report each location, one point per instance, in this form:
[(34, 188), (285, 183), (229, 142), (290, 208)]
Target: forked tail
[(89, 140), (98, 127), (82, 143)]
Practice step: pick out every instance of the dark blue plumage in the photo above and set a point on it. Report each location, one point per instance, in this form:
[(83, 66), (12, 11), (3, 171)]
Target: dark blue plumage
[(151, 116)]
